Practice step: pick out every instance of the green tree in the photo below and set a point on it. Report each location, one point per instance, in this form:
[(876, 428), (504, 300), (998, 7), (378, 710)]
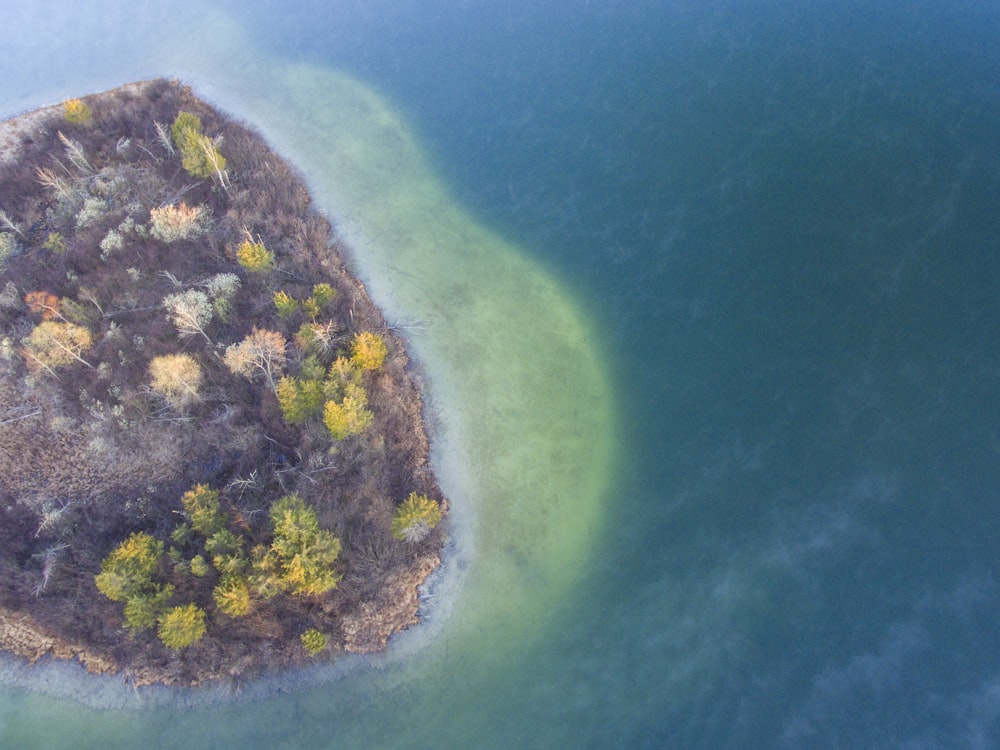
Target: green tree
[(301, 556), (226, 549), (200, 155), (201, 503), (128, 570), (342, 379), (299, 399), (181, 626), (285, 304), (415, 517), (319, 301), (143, 610), (199, 566), (349, 417)]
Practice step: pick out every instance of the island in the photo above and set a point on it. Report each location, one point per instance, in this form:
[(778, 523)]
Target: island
[(214, 456)]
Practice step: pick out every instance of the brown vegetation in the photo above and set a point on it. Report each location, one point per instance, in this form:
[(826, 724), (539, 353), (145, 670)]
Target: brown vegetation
[(142, 352)]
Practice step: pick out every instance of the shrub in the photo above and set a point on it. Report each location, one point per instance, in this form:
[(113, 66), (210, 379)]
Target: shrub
[(54, 242), (8, 246), (178, 222), (77, 112), (313, 641), (91, 213), (415, 517), (254, 257), (112, 243), (222, 288), (176, 377), (182, 626), (368, 350)]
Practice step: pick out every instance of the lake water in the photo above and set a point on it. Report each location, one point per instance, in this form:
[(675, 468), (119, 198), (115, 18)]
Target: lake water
[(707, 296)]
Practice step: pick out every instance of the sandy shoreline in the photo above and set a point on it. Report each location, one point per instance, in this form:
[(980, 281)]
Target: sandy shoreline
[(14, 129)]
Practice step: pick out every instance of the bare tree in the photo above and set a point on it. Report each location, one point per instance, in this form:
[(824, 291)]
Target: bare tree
[(190, 311), (260, 353)]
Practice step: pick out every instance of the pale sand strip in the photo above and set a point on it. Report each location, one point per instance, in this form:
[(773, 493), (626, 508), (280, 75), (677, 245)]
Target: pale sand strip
[(13, 130)]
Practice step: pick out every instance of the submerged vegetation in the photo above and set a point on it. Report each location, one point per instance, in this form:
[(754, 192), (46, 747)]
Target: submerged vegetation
[(211, 442)]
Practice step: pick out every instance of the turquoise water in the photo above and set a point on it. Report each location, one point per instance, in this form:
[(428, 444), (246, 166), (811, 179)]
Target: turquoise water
[(724, 277)]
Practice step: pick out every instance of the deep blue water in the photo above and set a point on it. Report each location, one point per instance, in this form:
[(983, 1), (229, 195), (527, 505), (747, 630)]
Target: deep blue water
[(783, 219)]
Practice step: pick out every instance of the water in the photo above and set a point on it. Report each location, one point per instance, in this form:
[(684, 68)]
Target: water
[(724, 278)]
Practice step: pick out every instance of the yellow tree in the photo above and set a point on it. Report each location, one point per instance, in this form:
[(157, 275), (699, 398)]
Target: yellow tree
[(415, 517), (348, 417), (176, 377), (128, 570), (254, 257), (77, 112), (368, 350), (181, 626), (232, 596), (53, 344)]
